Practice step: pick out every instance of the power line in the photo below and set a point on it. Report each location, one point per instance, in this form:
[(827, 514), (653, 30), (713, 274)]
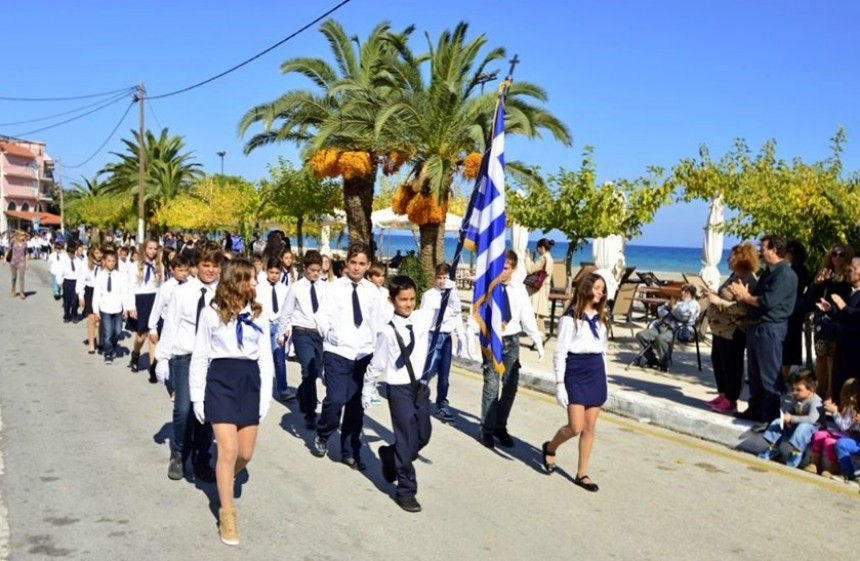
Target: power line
[(100, 148), (69, 98), (75, 118), (152, 110), (256, 56), (69, 112)]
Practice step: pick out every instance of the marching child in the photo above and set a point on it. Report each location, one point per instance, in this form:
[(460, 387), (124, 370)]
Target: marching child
[(288, 271), (84, 288), (298, 323), (69, 271), (56, 267), (452, 322), (271, 295), (376, 275), (180, 267), (798, 424), (399, 356), (110, 298), (144, 279), (231, 379)]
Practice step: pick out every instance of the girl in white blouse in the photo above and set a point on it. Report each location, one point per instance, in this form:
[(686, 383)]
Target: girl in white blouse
[(85, 287), (230, 379), (579, 363)]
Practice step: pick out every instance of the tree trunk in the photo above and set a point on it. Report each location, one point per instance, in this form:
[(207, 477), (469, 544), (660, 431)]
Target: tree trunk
[(572, 244), (358, 203), (300, 236), (432, 246)]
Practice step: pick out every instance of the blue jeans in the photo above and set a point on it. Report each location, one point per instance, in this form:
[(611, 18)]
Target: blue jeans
[(494, 409), (279, 355), (799, 436), (111, 331), (309, 351), (440, 365), (846, 448), (188, 435), (55, 286)]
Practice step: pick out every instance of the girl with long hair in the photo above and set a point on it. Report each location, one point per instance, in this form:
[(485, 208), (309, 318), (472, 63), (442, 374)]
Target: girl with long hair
[(230, 379), (579, 363), (144, 279), (84, 288)]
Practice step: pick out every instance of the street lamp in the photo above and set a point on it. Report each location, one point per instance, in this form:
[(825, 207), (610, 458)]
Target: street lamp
[(221, 154), (485, 77)]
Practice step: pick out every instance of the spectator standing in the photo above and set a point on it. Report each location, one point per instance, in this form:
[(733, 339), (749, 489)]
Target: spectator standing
[(792, 349), (845, 328), (19, 261), (540, 294)]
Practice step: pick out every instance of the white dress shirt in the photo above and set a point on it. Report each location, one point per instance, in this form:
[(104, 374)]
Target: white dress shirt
[(575, 336), (218, 340), (452, 320), (298, 308), (86, 277), (386, 352), (386, 308), (69, 269), (56, 260), (180, 319), (162, 299), (264, 298), (335, 319), (115, 301)]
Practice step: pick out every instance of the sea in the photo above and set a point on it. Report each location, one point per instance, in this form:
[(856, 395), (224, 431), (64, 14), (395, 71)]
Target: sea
[(643, 257)]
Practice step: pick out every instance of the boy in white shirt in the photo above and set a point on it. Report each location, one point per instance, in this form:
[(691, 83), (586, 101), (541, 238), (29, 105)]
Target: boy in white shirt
[(110, 301), (271, 295)]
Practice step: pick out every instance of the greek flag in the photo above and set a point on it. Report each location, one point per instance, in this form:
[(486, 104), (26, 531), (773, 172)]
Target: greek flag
[(485, 237)]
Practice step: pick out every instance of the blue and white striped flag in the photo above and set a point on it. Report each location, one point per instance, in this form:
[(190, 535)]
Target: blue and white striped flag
[(485, 237)]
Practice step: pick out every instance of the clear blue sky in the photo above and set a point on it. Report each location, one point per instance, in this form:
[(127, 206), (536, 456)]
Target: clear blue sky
[(643, 82)]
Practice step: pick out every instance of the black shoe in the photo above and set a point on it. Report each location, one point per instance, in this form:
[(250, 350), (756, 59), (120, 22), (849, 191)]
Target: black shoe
[(386, 456), (311, 422), (153, 379), (587, 485), (487, 440), (549, 467), (355, 463), (204, 473), (320, 447), (132, 363), (287, 395), (409, 504), (175, 469), (504, 438)]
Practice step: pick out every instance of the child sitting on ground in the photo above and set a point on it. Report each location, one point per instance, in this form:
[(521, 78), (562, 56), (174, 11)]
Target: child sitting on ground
[(798, 424), (844, 417)]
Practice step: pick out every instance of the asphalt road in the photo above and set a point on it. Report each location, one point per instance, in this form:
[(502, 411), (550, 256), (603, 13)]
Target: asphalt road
[(85, 450)]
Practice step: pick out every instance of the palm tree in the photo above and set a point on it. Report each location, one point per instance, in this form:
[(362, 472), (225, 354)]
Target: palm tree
[(443, 119), (334, 122), (169, 170)]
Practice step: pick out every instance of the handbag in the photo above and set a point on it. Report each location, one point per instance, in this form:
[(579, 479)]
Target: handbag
[(9, 256), (420, 390), (826, 328), (535, 280)]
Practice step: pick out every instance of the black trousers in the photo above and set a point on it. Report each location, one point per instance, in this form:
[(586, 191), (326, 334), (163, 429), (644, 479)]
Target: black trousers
[(70, 300), (344, 379), (727, 357), (412, 428), (764, 348)]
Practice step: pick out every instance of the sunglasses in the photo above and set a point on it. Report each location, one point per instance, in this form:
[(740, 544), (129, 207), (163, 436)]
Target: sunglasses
[(837, 253)]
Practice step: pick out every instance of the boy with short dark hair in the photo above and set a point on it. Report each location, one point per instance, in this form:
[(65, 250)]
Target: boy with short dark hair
[(271, 295), (110, 302), (798, 423)]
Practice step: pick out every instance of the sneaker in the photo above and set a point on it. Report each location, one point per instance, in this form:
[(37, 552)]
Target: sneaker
[(444, 415), (355, 464), (504, 438), (386, 457), (794, 458), (715, 400), (409, 504), (175, 470), (320, 447), (768, 453), (374, 397), (724, 406), (228, 529)]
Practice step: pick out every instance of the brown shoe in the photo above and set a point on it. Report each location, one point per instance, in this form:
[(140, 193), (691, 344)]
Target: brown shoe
[(227, 527)]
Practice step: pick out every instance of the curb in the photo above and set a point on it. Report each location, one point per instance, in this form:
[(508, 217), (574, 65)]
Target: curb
[(691, 421)]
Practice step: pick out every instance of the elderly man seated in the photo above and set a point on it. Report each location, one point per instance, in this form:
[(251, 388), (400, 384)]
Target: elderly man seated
[(676, 319)]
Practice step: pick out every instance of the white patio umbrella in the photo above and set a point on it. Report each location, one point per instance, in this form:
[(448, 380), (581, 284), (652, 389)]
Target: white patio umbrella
[(519, 244), (336, 218), (712, 248), (608, 255)]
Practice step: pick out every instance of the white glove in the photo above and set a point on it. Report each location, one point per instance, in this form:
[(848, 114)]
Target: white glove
[(540, 353), (366, 398), (264, 408), (561, 395), (198, 412), (162, 370)]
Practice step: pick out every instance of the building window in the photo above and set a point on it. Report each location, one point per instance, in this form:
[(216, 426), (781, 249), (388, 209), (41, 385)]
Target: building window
[(25, 207), (12, 206), (38, 207)]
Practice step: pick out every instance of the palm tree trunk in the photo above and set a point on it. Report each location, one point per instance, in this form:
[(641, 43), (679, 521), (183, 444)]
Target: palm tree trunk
[(432, 246), (300, 236), (358, 203)]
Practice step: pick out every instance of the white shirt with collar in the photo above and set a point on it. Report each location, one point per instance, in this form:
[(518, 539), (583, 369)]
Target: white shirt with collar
[(138, 282), (452, 320), (86, 277), (575, 336), (114, 301), (522, 316), (386, 308), (180, 319), (56, 262), (383, 366), (335, 319), (298, 309), (162, 299), (216, 340), (264, 298), (70, 268)]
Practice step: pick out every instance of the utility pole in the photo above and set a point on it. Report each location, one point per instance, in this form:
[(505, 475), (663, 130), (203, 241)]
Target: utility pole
[(62, 205), (221, 154), (141, 179)]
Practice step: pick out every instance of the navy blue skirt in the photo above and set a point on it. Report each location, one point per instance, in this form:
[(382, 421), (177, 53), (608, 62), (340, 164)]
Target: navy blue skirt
[(143, 303), (88, 301), (585, 379), (233, 392)]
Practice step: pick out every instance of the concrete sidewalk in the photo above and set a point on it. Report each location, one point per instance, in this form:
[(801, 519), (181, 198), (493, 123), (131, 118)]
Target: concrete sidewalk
[(674, 400)]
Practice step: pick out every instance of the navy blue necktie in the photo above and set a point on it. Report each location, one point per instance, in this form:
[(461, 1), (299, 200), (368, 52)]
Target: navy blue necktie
[(285, 278), (274, 299), (200, 304), (244, 319), (315, 304), (401, 360), (73, 264), (109, 284), (149, 270), (593, 322), (506, 305), (357, 318)]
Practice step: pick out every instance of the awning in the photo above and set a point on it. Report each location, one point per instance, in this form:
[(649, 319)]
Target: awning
[(16, 150), (45, 218)]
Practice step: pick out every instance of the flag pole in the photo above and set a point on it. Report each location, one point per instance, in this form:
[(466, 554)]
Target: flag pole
[(467, 216)]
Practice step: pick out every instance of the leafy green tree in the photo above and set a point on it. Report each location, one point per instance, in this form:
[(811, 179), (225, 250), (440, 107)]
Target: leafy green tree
[(573, 203), (89, 202), (168, 170), (296, 195)]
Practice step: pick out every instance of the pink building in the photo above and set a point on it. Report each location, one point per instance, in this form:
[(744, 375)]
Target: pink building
[(26, 175)]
